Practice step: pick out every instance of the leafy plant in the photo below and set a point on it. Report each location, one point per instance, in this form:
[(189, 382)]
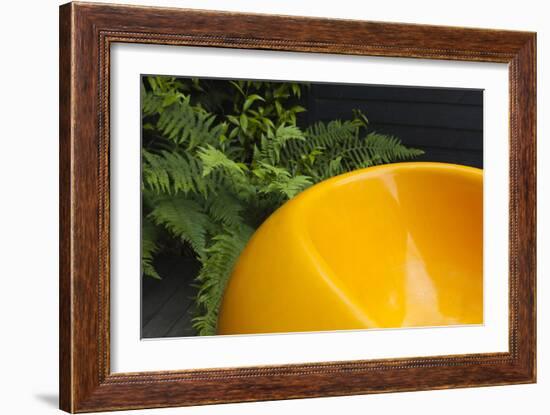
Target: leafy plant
[(220, 156)]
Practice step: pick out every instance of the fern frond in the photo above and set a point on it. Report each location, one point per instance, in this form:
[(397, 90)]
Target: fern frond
[(182, 123), (344, 150), (230, 174), (325, 135), (272, 143), (151, 103), (266, 171), (386, 149), (289, 186), (273, 179), (171, 172), (184, 218), (319, 137), (226, 208), (163, 93), (288, 132), (374, 149), (220, 258), (148, 249), (213, 159), (335, 167)]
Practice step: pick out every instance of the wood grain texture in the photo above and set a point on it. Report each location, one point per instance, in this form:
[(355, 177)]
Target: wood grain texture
[(65, 247), (86, 33)]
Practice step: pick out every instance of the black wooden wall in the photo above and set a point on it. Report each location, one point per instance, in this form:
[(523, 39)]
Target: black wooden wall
[(446, 123)]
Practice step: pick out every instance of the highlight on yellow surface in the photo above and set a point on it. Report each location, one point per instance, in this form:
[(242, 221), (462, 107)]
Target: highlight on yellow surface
[(398, 245)]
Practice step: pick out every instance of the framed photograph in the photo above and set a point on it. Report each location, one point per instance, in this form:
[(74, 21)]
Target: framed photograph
[(260, 207)]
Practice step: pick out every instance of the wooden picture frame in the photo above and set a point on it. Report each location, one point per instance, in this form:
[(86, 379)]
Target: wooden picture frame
[(86, 33)]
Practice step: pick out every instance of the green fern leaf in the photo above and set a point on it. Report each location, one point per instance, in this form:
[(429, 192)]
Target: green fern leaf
[(213, 159), (184, 218), (148, 249), (182, 123), (272, 143), (220, 258), (226, 208), (171, 172), (289, 186)]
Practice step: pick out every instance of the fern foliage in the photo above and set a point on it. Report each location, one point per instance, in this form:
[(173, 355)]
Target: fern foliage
[(183, 124), (172, 172), (148, 249), (210, 176), (184, 218), (222, 256)]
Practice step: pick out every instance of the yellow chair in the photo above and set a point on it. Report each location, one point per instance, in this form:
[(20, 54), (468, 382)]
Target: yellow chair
[(398, 245)]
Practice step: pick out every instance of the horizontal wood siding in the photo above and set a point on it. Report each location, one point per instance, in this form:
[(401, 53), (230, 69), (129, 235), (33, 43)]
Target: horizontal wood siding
[(167, 305)]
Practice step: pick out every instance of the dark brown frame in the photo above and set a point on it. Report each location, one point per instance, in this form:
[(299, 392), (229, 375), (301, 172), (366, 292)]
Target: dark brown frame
[(86, 33)]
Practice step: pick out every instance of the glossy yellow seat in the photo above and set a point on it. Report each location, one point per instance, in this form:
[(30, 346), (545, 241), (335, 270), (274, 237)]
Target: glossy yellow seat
[(398, 245)]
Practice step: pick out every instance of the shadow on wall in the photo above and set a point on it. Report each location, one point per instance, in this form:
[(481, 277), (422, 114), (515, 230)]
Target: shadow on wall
[(49, 399)]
